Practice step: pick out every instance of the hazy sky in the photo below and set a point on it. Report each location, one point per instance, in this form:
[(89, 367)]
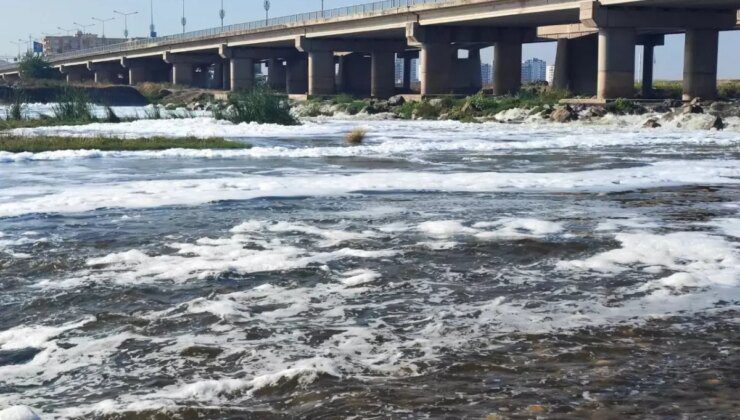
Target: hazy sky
[(18, 19)]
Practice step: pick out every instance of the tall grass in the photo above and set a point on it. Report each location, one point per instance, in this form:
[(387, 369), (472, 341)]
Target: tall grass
[(17, 105), (73, 105), (260, 105)]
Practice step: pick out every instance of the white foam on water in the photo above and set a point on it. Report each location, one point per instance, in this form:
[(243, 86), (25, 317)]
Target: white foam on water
[(729, 226), (359, 277), (34, 336), (387, 138), (156, 193), (18, 412)]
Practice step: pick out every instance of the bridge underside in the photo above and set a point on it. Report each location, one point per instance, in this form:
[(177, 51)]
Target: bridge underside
[(596, 43)]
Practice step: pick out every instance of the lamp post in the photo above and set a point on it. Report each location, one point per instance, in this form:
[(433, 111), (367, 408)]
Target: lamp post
[(152, 29), (322, 8), (267, 12), (125, 21), (102, 21), (222, 14), (184, 20)]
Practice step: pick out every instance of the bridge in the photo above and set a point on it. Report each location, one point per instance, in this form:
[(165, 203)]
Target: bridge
[(354, 49)]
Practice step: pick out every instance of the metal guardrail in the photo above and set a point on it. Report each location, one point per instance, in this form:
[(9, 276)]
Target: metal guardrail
[(302, 18)]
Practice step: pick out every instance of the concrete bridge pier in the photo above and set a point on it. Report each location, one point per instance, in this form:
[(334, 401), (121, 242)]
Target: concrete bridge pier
[(383, 74), (616, 74), (321, 73), (701, 52), (276, 76), (468, 77), (436, 68), (576, 64), (354, 74), (296, 75), (241, 73), (507, 67)]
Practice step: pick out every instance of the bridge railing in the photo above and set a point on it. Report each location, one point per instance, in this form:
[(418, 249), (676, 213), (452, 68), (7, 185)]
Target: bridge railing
[(301, 18)]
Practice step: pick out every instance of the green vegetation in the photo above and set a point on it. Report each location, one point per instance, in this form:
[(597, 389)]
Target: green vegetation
[(19, 144), (33, 66), (479, 105), (15, 110), (73, 105), (623, 107), (261, 105)]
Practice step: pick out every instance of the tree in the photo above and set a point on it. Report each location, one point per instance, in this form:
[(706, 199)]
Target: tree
[(33, 66)]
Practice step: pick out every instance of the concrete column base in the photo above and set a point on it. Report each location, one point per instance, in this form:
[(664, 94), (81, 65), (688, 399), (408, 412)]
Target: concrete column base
[(241, 74), (507, 63), (576, 65), (436, 68), (382, 74), (616, 75), (296, 76), (700, 64), (321, 73), (468, 78)]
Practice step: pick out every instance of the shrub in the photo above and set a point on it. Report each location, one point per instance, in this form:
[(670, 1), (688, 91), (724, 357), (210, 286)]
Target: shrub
[(356, 136), (73, 105), (426, 111), (261, 105), (34, 66)]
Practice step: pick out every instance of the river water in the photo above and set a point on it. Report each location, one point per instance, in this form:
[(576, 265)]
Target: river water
[(440, 269)]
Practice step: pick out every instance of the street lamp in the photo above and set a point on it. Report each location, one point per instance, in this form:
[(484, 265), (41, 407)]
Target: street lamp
[(125, 21), (152, 29), (322, 8), (222, 14), (102, 21), (267, 12), (184, 20), (83, 27)]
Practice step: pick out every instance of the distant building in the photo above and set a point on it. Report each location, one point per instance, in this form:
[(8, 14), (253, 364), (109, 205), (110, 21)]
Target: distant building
[(80, 41), (399, 71), (486, 72), (414, 70), (534, 70), (550, 76)]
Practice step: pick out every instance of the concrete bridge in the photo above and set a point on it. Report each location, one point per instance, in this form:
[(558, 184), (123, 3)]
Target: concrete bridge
[(353, 49)]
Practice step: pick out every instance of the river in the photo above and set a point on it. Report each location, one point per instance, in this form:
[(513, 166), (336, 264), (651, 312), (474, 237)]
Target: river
[(440, 269)]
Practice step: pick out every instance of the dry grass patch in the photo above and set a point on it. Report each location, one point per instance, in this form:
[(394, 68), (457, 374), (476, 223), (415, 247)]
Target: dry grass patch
[(356, 136)]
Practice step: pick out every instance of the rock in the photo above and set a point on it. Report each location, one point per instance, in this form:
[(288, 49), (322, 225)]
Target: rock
[(651, 123), (164, 92), (563, 114), (436, 102), (230, 109), (170, 107), (381, 106), (692, 109), (596, 112), (718, 124), (397, 100), (695, 101)]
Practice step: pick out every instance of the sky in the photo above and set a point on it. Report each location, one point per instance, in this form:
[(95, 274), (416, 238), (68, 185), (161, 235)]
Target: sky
[(19, 19)]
